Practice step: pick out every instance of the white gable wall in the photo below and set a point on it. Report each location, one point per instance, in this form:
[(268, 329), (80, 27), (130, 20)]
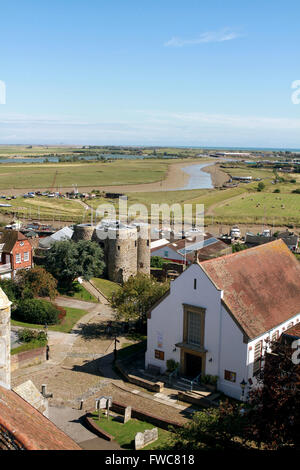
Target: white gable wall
[(233, 356)]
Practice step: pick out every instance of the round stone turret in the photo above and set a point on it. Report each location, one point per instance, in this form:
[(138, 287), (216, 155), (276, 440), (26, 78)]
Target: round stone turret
[(83, 232)]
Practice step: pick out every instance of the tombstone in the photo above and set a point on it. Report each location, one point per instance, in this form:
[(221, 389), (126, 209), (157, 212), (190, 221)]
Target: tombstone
[(127, 414), (139, 441), (142, 439), (103, 403)]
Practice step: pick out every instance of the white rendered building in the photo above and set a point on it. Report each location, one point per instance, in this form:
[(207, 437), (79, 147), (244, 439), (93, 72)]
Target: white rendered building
[(217, 314)]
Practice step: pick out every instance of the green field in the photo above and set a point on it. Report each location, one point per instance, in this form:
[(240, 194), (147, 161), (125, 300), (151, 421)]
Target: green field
[(253, 207), (46, 209), (93, 174), (228, 206)]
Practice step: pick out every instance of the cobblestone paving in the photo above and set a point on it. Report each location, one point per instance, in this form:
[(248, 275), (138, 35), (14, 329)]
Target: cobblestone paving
[(81, 368)]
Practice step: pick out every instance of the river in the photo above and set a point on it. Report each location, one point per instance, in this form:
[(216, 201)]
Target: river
[(198, 179)]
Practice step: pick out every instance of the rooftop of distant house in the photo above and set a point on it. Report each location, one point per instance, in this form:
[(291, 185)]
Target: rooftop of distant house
[(294, 331), (8, 239)]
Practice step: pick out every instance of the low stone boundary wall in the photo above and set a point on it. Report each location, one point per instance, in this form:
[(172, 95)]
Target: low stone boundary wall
[(144, 416), (28, 358), (156, 387), (96, 429)]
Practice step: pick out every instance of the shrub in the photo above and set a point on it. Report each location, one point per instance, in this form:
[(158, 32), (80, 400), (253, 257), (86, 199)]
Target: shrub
[(62, 313), (276, 191), (172, 365), (209, 379), (37, 312), (26, 336), (260, 186), (157, 262)]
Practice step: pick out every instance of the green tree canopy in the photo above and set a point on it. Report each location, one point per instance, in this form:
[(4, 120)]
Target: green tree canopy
[(212, 429), (137, 296), (11, 289), (67, 260), (38, 281), (275, 404)]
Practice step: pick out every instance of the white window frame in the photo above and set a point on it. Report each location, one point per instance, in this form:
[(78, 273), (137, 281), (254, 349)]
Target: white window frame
[(17, 258), (26, 256)]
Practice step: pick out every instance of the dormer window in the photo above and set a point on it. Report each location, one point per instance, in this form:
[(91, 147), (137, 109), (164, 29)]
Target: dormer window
[(21, 243)]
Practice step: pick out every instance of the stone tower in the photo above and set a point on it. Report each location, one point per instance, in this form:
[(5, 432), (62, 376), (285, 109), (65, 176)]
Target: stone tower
[(121, 253), (143, 248), (4, 340), (83, 232)]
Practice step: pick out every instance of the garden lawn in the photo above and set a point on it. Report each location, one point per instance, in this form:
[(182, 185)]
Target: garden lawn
[(124, 434), (34, 344), (72, 317), (79, 292), (106, 287)]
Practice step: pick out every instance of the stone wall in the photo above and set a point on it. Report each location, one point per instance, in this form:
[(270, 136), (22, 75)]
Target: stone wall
[(4, 342), (28, 358)]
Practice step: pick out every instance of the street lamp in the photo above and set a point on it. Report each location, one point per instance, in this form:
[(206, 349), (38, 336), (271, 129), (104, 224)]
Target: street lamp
[(115, 348), (243, 386)]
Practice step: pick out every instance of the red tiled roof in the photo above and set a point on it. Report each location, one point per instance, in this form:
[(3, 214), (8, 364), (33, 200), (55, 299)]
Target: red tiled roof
[(261, 285), (9, 238), (29, 427), (294, 331)]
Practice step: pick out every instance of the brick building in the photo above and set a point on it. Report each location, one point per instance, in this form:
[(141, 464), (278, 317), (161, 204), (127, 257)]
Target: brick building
[(15, 253)]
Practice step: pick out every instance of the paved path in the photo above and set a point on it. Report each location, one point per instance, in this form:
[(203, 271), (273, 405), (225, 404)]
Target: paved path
[(92, 289), (72, 423), (81, 368)]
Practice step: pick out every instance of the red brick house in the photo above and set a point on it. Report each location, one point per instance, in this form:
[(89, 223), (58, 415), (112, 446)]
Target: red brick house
[(15, 253)]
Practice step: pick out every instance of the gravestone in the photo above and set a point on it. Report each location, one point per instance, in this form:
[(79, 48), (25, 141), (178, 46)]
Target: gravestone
[(142, 439), (103, 403), (127, 414)]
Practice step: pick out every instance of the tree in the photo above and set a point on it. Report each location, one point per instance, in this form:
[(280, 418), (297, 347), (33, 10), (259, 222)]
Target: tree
[(67, 260), (275, 404), (137, 296), (157, 262), (38, 281), (212, 429), (11, 289), (260, 186)]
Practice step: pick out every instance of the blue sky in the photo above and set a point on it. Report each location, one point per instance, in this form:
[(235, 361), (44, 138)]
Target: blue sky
[(150, 72)]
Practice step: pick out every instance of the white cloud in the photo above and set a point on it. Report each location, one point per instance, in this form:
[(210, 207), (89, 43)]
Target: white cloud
[(154, 127), (211, 36)]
